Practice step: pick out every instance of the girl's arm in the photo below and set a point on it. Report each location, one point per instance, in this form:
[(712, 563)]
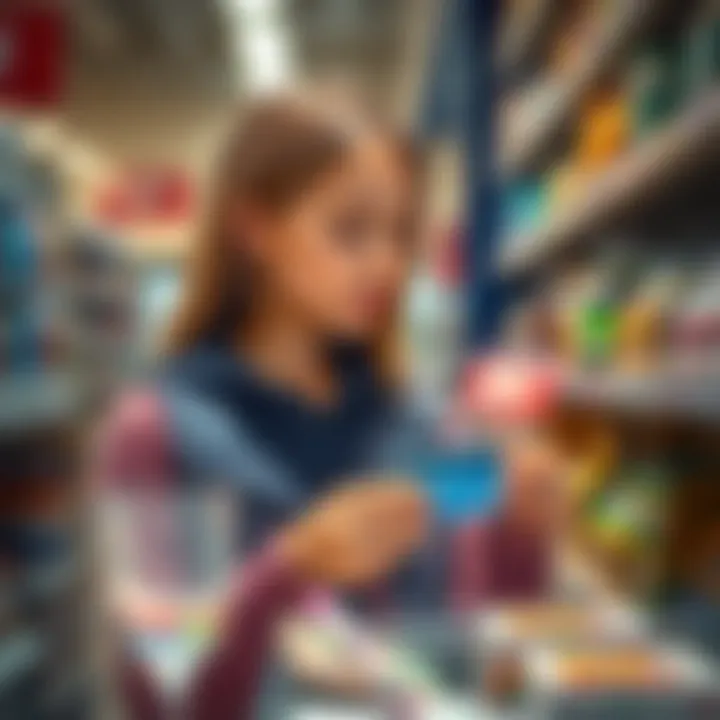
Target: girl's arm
[(227, 683), (353, 537), (140, 693)]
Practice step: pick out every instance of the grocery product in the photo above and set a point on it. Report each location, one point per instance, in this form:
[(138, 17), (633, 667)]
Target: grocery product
[(695, 328), (644, 326), (702, 54), (567, 184), (593, 465), (655, 84), (555, 623), (640, 680), (612, 669), (627, 523), (604, 130), (525, 205), (19, 263)]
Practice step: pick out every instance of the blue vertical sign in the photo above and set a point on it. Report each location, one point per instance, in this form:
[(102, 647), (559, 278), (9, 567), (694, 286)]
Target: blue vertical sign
[(477, 30), (460, 101)]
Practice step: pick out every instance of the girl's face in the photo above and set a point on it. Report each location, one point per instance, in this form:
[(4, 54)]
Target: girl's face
[(339, 256)]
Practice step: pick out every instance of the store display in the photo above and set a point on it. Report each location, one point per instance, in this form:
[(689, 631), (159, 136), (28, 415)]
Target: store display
[(630, 288), (603, 130), (646, 318), (39, 411)]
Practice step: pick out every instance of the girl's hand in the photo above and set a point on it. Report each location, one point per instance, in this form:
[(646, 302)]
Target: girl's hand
[(357, 533)]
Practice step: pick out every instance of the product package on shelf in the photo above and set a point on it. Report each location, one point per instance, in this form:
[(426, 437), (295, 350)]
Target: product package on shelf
[(656, 87), (20, 341), (646, 319), (702, 54), (604, 130), (562, 660), (696, 326), (507, 638), (626, 522), (43, 545), (640, 680), (525, 204), (100, 287)]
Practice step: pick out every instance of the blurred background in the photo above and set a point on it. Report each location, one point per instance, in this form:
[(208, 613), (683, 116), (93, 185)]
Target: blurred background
[(573, 161)]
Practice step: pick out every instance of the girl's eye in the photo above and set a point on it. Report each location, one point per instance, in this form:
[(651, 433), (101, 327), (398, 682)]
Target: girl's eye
[(352, 227)]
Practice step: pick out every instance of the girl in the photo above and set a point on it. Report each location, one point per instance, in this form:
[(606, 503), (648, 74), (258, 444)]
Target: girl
[(282, 374)]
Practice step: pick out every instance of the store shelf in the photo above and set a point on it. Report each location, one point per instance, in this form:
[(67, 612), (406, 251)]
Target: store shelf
[(20, 653), (692, 397), (664, 159), (615, 39), (525, 31), (47, 584), (36, 400)]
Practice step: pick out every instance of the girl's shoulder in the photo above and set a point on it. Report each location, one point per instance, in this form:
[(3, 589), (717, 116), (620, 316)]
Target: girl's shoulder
[(173, 436), (132, 444)]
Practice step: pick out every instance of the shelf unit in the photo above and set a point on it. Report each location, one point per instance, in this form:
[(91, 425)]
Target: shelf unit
[(690, 396), (664, 419), (47, 565), (20, 653), (657, 165), (522, 35), (612, 42), (34, 401)]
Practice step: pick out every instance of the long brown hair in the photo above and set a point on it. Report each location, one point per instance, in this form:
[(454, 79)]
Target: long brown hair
[(279, 147)]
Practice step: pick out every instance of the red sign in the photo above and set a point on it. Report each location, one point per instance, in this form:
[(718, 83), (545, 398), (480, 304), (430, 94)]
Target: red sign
[(32, 55), (502, 389), (147, 195)]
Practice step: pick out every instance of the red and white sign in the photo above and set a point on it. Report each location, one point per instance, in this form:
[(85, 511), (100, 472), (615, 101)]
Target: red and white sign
[(33, 54), (146, 195)]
